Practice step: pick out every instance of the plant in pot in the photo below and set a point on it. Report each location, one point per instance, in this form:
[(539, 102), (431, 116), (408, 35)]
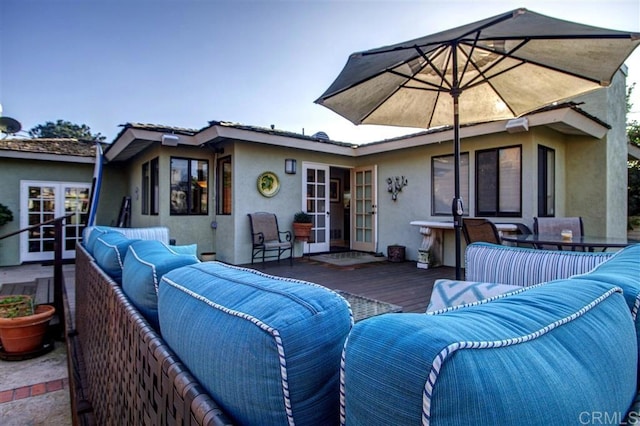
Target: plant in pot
[(23, 325), (302, 224), (5, 214)]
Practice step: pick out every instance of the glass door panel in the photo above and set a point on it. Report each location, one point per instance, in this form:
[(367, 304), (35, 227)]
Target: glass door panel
[(364, 219), (44, 201), (316, 204)]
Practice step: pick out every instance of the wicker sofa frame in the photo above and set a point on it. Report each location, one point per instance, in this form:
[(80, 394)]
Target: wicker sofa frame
[(121, 371)]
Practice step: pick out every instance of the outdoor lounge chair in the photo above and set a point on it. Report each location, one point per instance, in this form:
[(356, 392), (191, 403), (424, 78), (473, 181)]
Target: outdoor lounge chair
[(268, 242), (480, 230)]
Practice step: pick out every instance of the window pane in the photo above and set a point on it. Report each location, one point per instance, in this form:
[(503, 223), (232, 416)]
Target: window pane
[(145, 188), (443, 183), (154, 186), (199, 171), (179, 186), (509, 181), (546, 181), (486, 183), (224, 186)]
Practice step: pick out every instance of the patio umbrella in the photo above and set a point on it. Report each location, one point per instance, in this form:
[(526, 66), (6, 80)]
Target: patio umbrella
[(498, 68)]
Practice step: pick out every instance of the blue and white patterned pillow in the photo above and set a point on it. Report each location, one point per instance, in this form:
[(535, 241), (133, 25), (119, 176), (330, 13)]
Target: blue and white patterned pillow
[(449, 293)]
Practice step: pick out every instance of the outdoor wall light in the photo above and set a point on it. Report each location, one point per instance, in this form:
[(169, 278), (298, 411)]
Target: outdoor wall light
[(290, 166)]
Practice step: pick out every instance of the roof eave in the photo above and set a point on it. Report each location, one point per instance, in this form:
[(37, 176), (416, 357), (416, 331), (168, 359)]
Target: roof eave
[(27, 155)]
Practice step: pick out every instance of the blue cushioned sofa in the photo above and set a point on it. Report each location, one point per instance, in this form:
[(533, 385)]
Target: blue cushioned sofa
[(161, 338)]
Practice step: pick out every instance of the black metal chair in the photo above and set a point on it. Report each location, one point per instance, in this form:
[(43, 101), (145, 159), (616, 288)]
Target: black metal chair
[(480, 230), (268, 242)]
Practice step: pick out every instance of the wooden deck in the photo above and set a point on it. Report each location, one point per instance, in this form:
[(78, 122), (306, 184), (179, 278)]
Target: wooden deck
[(398, 283)]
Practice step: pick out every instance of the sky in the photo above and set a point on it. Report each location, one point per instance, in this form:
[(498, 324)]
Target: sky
[(184, 63)]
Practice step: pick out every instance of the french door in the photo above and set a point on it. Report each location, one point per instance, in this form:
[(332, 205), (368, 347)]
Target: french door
[(363, 208), (42, 201), (316, 203)]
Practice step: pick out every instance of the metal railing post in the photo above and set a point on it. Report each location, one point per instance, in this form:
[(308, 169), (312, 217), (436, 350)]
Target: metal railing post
[(58, 279)]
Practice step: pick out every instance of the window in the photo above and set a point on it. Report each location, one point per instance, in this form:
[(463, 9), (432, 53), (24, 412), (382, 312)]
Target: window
[(546, 181), (150, 190), (499, 182), (189, 183), (224, 186), (442, 181)]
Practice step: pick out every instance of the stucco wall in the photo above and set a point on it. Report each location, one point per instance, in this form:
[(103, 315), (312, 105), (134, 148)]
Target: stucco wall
[(185, 229), (12, 171)]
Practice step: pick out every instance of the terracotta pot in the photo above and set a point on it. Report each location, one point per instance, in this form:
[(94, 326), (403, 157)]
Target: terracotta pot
[(25, 334), (302, 231)]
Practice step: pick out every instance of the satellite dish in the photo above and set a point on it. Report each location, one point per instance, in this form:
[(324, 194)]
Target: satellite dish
[(9, 125)]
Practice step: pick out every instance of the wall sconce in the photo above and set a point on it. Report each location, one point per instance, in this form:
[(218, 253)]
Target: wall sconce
[(290, 166)]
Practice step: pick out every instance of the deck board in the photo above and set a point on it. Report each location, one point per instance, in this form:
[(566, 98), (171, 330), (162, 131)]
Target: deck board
[(399, 283)]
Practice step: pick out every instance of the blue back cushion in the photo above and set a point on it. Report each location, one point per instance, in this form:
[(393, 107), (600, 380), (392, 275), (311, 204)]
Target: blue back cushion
[(109, 252), (145, 264), (267, 349), (541, 356), (91, 234)]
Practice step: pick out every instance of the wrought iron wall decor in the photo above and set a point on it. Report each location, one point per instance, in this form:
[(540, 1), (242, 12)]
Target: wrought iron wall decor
[(395, 185)]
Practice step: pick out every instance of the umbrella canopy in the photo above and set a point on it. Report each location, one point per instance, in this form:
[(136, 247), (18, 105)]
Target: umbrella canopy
[(494, 69)]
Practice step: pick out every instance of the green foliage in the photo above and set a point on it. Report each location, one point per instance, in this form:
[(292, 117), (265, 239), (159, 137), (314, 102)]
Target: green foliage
[(64, 129), (16, 306), (633, 132), (302, 217), (5, 214)]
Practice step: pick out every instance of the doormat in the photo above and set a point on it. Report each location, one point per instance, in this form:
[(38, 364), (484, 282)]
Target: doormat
[(348, 258)]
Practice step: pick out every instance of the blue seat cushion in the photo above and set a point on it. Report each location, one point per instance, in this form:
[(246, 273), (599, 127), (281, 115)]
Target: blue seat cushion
[(109, 252), (448, 293), (537, 357), (144, 265), (267, 349)]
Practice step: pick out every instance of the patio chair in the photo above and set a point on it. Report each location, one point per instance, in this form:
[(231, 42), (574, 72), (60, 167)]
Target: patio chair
[(480, 230), (555, 225), (268, 242)]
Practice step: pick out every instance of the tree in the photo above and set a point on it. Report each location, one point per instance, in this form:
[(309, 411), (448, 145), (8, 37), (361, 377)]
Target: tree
[(633, 133), (64, 129)]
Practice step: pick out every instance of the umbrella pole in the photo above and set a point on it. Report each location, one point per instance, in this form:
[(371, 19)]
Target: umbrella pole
[(457, 207)]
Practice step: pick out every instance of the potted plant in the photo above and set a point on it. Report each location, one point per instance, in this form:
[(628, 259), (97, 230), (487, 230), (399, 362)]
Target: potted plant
[(302, 224), (23, 325), (5, 214)]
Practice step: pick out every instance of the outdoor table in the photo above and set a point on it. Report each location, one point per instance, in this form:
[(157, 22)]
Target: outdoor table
[(433, 239), (584, 242), (364, 307)]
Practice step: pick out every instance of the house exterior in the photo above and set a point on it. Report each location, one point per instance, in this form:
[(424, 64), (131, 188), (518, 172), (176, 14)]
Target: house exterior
[(563, 160)]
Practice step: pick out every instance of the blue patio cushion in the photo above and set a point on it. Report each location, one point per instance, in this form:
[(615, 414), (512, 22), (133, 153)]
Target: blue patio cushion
[(448, 293), (144, 265), (622, 270), (266, 348), (109, 252), (524, 266), (91, 234), (543, 356)]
